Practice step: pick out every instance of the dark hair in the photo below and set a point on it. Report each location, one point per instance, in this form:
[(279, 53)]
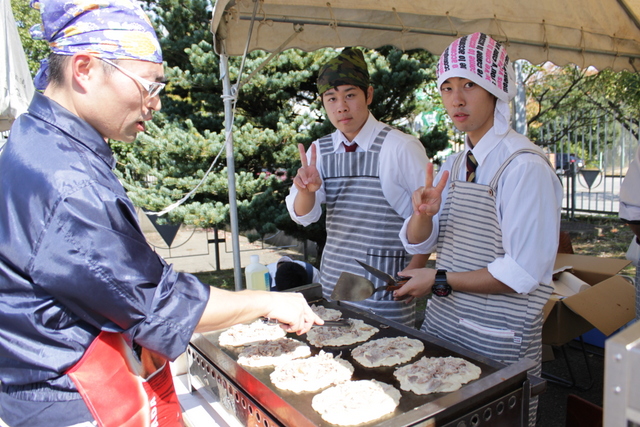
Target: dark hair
[(290, 275), (57, 64)]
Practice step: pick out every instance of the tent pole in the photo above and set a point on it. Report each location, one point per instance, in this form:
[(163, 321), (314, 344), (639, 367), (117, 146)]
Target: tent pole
[(231, 170), (520, 100)]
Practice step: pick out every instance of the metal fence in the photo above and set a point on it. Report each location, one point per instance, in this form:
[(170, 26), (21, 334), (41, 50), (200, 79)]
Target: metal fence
[(591, 163)]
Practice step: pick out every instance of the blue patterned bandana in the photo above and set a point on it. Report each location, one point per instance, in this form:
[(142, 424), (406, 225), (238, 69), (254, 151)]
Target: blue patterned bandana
[(112, 29)]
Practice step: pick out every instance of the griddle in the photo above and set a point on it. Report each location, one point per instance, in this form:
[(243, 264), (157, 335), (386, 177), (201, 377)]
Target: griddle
[(500, 397)]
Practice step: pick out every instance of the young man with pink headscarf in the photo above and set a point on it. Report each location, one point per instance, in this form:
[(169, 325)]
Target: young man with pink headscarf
[(80, 288), (492, 214)]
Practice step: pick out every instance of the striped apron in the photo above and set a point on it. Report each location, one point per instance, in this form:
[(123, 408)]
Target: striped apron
[(504, 327), (361, 224)]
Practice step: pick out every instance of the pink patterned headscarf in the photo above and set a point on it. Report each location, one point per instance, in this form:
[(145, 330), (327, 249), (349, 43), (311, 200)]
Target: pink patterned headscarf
[(111, 29), (484, 61)]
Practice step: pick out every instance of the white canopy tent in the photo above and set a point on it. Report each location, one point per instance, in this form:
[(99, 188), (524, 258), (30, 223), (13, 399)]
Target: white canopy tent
[(16, 85), (599, 33)]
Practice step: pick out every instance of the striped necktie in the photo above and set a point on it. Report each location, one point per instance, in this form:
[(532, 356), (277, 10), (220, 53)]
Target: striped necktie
[(472, 165), (350, 148)]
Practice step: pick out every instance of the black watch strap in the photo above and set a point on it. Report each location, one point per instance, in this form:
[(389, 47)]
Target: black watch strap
[(440, 287)]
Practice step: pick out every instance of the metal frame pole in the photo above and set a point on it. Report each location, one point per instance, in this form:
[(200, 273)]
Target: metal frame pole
[(231, 169)]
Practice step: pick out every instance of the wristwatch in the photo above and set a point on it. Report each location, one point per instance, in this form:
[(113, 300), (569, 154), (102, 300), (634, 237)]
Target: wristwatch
[(441, 288)]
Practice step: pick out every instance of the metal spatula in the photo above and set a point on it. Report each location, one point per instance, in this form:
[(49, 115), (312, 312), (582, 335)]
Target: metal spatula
[(351, 287)]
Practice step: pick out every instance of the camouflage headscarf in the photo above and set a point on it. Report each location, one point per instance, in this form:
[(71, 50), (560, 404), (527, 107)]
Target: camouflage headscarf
[(348, 68)]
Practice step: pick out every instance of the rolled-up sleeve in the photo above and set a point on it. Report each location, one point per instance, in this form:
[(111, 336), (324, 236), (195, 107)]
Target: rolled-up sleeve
[(629, 212), (529, 215), (315, 213), (508, 271), (529, 201), (94, 259), (426, 247)]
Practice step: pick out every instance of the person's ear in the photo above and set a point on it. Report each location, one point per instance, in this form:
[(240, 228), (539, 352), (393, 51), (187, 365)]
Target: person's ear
[(369, 95), (83, 70)]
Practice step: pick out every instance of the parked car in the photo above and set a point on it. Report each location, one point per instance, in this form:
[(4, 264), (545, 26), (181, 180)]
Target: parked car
[(565, 160)]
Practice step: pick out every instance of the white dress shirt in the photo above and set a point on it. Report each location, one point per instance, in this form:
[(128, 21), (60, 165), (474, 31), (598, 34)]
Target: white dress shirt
[(629, 194), (403, 162), (528, 203)]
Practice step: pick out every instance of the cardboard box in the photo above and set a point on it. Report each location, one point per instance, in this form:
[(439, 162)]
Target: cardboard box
[(607, 305)]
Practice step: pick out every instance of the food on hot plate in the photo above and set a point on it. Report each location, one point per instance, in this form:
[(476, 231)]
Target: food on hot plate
[(387, 351), (270, 353), (436, 374), (312, 374), (356, 402), (244, 334), (333, 336), (326, 313)]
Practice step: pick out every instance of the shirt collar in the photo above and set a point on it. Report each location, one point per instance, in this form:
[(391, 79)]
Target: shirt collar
[(486, 144), (56, 115), (363, 138)]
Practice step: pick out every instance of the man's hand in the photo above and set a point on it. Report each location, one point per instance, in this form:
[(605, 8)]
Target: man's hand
[(292, 310), (420, 284), (426, 200), (307, 179), (227, 308)]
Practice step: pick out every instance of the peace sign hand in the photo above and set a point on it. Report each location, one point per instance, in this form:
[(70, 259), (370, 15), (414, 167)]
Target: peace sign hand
[(308, 178), (426, 200)]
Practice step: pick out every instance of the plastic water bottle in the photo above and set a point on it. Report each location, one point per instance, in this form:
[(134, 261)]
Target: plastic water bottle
[(257, 275)]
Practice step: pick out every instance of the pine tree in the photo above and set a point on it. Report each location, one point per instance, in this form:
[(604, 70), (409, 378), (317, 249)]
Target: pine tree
[(277, 109), (25, 18)]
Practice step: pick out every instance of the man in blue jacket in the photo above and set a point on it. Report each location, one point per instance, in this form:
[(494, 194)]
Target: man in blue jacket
[(75, 269)]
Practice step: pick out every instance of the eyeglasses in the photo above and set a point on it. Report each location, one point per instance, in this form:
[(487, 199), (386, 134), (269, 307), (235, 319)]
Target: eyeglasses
[(153, 88)]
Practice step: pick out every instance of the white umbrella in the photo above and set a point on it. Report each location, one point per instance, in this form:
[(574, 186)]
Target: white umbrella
[(16, 85), (599, 33)]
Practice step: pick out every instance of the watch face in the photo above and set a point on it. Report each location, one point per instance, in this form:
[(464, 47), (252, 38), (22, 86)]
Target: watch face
[(441, 290)]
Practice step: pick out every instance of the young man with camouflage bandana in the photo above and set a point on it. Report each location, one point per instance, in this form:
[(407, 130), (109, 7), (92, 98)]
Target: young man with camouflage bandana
[(365, 173)]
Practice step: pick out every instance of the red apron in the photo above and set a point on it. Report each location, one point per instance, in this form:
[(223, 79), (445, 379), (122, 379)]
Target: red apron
[(122, 392)]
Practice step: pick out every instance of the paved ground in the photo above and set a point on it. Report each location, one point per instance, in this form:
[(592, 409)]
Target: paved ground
[(193, 250)]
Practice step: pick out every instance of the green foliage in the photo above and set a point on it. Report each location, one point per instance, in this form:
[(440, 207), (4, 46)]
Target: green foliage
[(165, 163), (192, 70), (279, 108), (26, 17), (434, 140), (564, 102), (397, 79), (276, 109)]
